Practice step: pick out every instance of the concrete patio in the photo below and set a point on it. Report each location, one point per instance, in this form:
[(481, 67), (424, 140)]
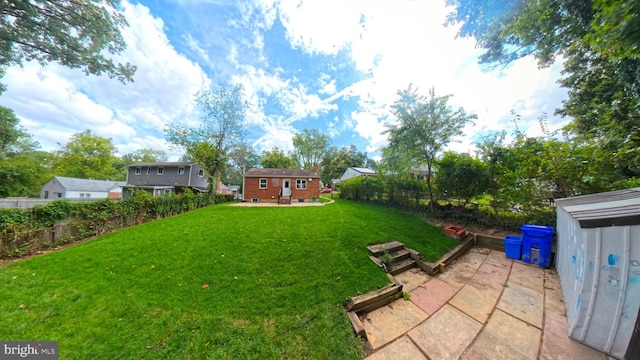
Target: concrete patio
[(483, 306)]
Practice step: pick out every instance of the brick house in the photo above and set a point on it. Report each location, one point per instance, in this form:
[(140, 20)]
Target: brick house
[(281, 186)]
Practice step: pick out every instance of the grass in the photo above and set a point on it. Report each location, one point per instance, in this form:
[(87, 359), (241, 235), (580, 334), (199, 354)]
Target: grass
[(221, 282)]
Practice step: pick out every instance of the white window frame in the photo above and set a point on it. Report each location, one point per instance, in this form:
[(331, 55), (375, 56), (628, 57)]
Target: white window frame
[(261, 185), (181, 170), (201, 173), (301, 184), (138, 170), (160, 170)]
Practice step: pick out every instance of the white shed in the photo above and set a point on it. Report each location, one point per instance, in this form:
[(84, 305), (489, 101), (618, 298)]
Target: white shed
[(598, 262)]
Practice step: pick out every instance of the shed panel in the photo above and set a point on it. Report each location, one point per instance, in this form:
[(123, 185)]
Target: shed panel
[(599, 268)]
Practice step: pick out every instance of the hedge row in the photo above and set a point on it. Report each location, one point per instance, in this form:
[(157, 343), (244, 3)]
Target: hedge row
[(408, 195), (140, 207)]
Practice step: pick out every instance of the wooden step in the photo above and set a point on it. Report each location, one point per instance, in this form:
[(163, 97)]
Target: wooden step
[(379, 249), (402, 266), (400, 255)]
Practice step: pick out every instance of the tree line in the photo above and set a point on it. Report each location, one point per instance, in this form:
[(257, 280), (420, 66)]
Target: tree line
[(24, 167)]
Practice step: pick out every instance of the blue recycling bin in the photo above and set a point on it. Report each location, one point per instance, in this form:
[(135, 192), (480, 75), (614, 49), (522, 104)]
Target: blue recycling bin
[(536, 244), (513, 247)]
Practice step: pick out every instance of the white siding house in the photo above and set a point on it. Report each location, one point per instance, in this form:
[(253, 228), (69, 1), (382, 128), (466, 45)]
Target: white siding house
[(60, 187)]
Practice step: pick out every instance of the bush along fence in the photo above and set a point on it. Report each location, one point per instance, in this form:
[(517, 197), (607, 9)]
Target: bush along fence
[(28, 231), (411, 195)]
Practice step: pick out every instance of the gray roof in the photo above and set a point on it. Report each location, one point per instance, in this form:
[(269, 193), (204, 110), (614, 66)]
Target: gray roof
[(163, 163), (257, 172), (592, 209), (74, 184), (364, 171)]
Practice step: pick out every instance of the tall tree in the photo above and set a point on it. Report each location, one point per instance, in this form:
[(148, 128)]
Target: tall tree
[(599, 42), (144, 155), (87, 156), (336, 162), (241, 159), (309, 148), (22, 173), (461, 177), (424, 126), (275, 159), (220, 132), (22, 167), (76, 34)]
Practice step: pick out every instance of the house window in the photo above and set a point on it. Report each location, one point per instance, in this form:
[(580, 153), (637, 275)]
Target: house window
[(301, 184), (160, 171), (149, 171), (181, 170), (46, 194), (263, 183), (138, 171), (81, 196), (88, 196), (200, 173)]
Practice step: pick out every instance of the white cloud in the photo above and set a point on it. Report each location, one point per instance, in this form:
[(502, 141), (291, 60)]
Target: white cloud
[(321, 26), (404, 42), (54, 102)]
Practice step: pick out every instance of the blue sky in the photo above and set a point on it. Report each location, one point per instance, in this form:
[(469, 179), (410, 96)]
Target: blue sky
[(330, 65)]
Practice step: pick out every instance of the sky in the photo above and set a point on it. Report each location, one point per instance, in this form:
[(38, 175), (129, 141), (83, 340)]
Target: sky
[(332, 65)]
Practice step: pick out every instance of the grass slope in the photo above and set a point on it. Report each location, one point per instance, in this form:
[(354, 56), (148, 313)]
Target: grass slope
[(275, 280)]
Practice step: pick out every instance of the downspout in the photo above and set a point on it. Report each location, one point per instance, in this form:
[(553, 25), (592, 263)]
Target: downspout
[(189, 180), (243, 187)]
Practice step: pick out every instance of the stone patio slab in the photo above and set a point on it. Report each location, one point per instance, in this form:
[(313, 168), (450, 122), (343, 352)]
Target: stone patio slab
[(462, 270), (498, 258), (389, 322), (401, 349), (505, 337), (556, 345), (446, 334), (476, 300), (492, 275), (553, 298), (530, 276), (412, 278), (523, 303), (432, 295)]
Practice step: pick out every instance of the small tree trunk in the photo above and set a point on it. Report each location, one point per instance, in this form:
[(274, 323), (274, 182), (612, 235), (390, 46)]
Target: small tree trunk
[(430, 189)]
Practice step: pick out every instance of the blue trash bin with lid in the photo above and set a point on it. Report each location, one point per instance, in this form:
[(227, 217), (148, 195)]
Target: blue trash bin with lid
[(536, 244)]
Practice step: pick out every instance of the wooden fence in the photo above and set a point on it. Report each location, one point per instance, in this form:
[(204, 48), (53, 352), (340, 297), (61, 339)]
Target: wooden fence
[(27, 203)]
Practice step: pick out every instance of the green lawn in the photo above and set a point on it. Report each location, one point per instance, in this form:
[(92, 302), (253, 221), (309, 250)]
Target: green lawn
[(276, 279)]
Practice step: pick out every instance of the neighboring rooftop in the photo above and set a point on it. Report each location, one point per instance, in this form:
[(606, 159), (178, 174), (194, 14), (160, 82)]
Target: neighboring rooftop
[(365, 171), (163, 163), (88, 184)]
